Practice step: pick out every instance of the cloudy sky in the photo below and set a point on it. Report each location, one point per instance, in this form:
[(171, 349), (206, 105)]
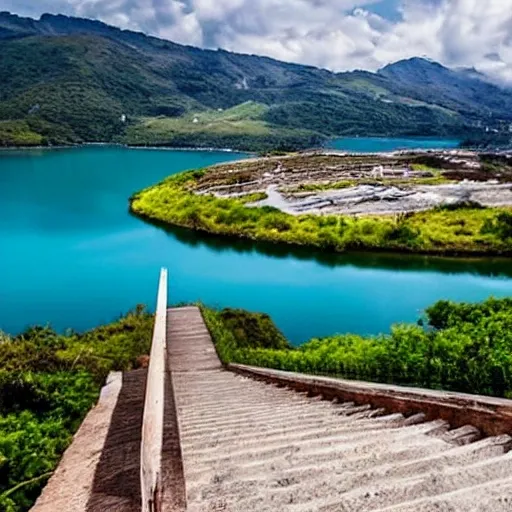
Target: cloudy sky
[(335, 34)]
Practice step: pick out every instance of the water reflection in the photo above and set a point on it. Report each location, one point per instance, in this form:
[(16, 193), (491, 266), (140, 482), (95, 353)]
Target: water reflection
[(487, 267)]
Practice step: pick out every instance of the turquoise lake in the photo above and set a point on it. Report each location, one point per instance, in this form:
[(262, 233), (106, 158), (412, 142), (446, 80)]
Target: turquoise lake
[(71, 255), (378, 144)]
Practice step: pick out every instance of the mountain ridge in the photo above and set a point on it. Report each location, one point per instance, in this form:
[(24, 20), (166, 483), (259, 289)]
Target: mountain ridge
[(105, 28), (73, 79)]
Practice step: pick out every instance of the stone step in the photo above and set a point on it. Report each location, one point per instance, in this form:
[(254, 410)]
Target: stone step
[(253, 447)]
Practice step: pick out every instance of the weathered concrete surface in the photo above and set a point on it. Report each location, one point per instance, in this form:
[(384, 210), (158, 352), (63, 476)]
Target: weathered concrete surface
[(253, 447), (173, 482), (493, 416), (71, 485), (100, 471), (116, 485)]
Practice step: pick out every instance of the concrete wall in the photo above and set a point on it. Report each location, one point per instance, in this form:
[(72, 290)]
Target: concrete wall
[(493, 416), (153, 419), (71, 485)]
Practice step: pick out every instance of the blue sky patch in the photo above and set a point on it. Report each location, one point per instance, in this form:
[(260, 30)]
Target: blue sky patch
[(386, 8)]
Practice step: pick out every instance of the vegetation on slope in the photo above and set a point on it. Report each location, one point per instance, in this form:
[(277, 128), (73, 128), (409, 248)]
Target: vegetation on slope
[(82, 84), (240, 127), (458, 347), (83, 76), (460, 90), (462, 229), (18, 133), (34, 132), (488, 141), (333, 115), (48, 382)]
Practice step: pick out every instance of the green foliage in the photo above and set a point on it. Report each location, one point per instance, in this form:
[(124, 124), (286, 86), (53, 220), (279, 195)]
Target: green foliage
[(39, 413), (317, 187), (487, 141), (48, 382), (455, 91), (253, 329), (248, 135), (464, 229), (500, 226), (30, 448), (18, 133), (358, 114), (446, 314), (467, 348), (239, 127), (253, 198), (235, 332)]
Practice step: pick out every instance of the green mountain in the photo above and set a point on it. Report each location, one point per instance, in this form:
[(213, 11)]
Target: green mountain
[(68, 80)]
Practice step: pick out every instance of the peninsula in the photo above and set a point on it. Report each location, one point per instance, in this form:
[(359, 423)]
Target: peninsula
[(445, 202)]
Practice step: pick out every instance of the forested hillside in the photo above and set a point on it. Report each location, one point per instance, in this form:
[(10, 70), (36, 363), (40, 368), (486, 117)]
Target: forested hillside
[(71, 80)]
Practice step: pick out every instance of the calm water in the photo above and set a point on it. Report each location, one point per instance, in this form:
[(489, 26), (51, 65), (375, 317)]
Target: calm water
[(377, 144), (71, 255)]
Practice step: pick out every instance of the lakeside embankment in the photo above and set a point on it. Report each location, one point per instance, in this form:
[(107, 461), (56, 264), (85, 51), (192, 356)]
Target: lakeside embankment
[(442, 202), (336, 145), (79, 230), (117, 145)]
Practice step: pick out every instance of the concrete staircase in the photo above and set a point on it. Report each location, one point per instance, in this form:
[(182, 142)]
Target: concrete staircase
[(189, 434), (253, 447)]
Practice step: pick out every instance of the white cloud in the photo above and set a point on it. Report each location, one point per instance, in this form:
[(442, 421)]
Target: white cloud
[(337, 34)]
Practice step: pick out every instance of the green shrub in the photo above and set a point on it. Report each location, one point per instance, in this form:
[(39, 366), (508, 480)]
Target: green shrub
[(254, 330), (465, 347), (500, 226), (48, 382)]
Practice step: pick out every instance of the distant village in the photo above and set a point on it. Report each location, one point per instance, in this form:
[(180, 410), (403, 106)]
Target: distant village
[(499, 126)]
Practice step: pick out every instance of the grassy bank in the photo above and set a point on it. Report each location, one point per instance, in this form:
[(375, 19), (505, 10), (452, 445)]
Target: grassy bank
[(462, 230), (48, 383), (241, 127), (34, 132), (458, 347)]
